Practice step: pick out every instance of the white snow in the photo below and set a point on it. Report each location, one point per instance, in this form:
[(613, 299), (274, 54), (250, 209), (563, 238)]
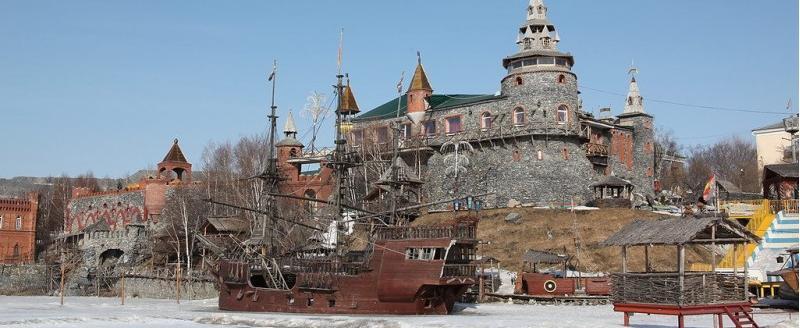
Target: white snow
[(91, 312)]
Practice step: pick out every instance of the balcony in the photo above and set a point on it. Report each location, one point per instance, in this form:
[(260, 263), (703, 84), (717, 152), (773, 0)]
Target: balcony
[(597, 153)]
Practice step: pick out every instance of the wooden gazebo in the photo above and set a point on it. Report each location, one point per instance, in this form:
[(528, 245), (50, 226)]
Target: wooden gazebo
[(681, 292), (613, 192)]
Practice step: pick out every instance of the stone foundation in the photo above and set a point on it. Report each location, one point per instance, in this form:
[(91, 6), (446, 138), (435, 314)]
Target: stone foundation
[(25, 279), (165, 288)]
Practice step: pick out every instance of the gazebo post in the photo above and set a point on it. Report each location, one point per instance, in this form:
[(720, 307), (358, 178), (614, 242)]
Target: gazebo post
[(681, 271), (735, 268), (713, 248), (744, 252), (624, 259)]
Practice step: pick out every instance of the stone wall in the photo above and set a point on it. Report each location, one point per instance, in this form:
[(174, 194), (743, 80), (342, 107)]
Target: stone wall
[(537, 172), (25, 279), (165, 288), (642, 173)]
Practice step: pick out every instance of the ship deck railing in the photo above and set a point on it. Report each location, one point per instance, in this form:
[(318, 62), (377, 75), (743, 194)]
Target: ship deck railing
[(295, 265), (452, 232), (459, 270)]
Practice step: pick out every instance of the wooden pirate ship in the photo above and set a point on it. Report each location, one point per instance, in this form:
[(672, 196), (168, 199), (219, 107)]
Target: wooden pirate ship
[(400, 270)]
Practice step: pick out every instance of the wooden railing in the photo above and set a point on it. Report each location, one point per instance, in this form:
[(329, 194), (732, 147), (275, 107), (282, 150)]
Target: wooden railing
[(459, 270), (759, 223), (596, 149), (665, 288), (452, 232)]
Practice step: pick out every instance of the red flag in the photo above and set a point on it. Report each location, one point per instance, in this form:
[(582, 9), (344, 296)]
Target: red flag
[(709, 189)]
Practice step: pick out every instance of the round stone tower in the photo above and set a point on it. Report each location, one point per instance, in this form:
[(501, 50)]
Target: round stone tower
[(540, 77)]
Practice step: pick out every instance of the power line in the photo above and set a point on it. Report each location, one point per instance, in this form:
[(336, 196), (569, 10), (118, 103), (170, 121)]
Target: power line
[(727, 109)]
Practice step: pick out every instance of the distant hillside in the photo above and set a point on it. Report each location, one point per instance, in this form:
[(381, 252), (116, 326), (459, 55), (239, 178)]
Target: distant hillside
[(545, 229)]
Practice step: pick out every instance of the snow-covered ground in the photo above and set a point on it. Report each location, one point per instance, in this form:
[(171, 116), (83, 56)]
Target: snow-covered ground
[(93, 312)]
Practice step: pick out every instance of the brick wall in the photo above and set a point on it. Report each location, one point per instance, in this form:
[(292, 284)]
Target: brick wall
[(18, 229)]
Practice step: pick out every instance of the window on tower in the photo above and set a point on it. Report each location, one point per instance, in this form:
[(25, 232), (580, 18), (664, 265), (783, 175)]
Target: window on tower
[(486, 121), (519, 80), (562, 116), (519, 116), (561, 79)]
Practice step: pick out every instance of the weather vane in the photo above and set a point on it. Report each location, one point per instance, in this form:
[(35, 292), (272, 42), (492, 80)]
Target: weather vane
[(632, 69)]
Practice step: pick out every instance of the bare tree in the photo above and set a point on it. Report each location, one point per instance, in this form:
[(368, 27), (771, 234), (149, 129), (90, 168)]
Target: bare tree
[(183, 216), (733, 159)]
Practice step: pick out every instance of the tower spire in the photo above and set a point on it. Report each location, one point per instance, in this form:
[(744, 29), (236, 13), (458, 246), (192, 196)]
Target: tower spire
[(420, 79), (289, 129), (634, 103), (535, 33), (537, 10)]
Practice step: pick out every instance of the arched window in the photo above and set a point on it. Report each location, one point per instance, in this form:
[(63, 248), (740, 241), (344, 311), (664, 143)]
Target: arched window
[(562, 115), (486, 120), (630, 100), (19, 223), (16, 250), (561, 79), (519, 80), (1, 222), (519, 116), (293, 152)]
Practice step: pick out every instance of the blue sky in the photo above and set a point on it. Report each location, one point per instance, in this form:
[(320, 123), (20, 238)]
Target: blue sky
[(105, 86)]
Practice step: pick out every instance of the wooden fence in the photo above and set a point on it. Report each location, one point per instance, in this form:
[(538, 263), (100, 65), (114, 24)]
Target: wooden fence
[(664, 288)]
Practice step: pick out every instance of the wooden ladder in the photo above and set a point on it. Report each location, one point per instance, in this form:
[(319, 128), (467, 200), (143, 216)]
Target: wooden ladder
[(740, 317)]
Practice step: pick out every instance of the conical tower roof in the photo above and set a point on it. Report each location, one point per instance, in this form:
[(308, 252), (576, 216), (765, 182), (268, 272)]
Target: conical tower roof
[(289, 127), (175, 154), (349, 104), (420, 79)]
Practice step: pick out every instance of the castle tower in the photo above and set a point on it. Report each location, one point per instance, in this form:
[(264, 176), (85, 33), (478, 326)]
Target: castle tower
[(175, 166), (634, 116), (418, 92), (540, 76), (289, 148)]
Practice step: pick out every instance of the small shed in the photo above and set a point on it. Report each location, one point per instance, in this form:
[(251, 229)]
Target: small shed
[(780, 181), (532, 258), (681, 292)]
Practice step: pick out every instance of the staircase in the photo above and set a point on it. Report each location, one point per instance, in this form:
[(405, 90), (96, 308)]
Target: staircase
[(775, 222), (740, 317), (759, 224)]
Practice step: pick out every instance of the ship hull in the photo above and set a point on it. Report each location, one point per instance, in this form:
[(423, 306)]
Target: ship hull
[(354, 300)]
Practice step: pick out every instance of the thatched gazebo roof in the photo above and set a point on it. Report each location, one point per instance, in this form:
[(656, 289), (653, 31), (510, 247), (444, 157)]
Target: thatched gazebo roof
[(680, 231)]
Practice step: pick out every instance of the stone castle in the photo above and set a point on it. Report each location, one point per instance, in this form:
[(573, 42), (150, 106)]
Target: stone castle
[(532, 143)]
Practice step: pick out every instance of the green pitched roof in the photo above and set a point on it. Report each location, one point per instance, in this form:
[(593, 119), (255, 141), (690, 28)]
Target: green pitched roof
[(389, 109)]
